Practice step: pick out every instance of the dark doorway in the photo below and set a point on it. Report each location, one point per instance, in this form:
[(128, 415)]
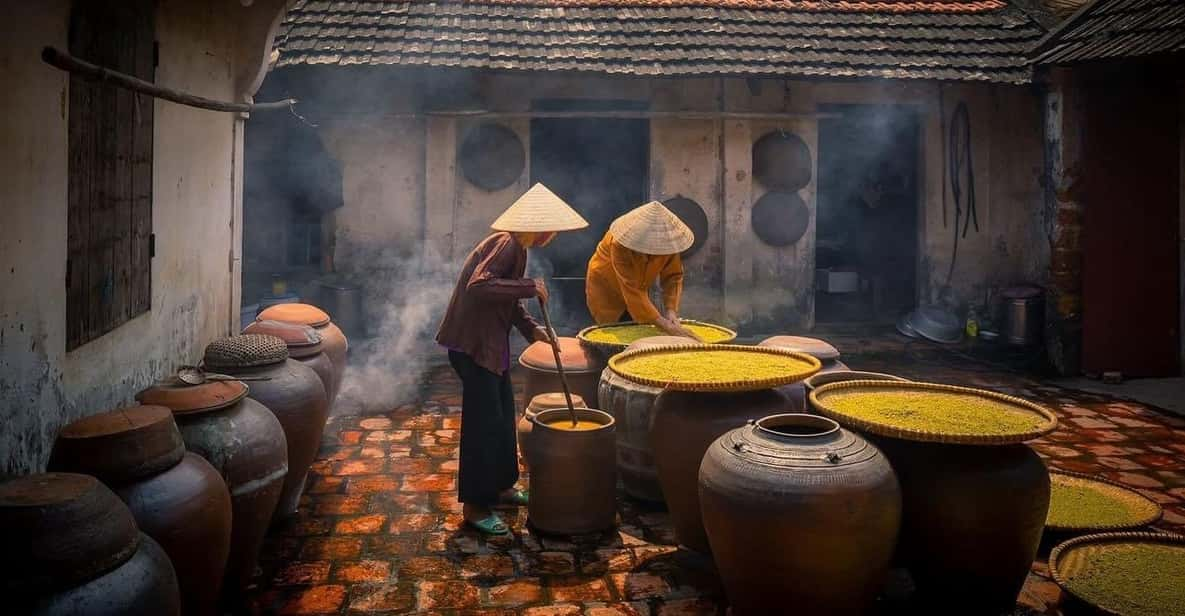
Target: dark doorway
[(599, 166), (1130, 228), (867, 225)]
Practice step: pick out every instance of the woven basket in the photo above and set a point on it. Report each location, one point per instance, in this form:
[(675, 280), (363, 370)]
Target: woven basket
[(1096, 528), (613, 348), (1057, 556), (810, 366), (246, 351), (819, 395)]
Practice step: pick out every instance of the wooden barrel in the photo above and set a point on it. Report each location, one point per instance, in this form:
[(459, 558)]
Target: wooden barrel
[(582, 366)]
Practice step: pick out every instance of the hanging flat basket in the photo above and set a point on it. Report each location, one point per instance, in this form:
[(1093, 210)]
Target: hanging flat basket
[(782, 161), (780, 218), (694, 217), (492, 156)]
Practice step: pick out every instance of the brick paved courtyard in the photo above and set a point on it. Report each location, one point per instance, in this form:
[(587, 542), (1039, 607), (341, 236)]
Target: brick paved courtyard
[(380, 530)]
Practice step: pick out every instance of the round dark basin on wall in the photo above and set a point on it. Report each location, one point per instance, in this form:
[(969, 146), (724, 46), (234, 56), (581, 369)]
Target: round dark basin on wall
[(782, 161), (492, 156)]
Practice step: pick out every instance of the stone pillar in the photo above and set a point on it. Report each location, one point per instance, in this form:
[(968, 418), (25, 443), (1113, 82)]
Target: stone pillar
[(1063, 145)]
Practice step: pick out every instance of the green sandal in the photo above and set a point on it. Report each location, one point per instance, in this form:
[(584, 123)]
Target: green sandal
[(518, 498), (492, 525)]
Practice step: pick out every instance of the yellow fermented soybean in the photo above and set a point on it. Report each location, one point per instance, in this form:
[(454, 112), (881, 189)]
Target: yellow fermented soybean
[(1137, 579), (934, 411), (707, 366), (580, 426), (1076, 502), (628, 334)]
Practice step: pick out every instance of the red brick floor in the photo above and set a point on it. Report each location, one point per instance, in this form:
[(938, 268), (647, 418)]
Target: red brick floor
[(380, 531)]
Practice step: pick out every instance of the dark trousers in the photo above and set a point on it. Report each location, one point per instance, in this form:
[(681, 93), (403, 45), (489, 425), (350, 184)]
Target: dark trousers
[(489, 460)]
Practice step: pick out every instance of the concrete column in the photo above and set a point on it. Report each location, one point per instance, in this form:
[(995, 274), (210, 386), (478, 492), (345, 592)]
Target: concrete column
[(1063, 145)]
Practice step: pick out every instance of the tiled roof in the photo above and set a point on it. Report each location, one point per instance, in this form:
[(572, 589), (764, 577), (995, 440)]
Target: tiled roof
[(982, 40), (1109, 29)]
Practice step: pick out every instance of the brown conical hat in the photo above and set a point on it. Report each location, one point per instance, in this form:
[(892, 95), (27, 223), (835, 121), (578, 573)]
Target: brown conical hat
[(652, 229), (539, 211)]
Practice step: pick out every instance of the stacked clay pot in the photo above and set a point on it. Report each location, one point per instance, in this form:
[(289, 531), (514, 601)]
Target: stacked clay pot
[(799, 512), (538, 404), (245, 443), (821, 350), (631, 405), (289, 389), (333, 341), (574, 484), (71, 548), (304, 345), (176, 497), (582, 367)]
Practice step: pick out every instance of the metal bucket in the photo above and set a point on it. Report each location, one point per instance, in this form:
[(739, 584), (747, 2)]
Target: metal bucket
[(343, 302), (1024, 315)]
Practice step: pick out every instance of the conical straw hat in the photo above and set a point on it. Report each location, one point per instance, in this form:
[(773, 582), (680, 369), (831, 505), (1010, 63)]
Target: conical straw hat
[(539, 211), (653, 230)]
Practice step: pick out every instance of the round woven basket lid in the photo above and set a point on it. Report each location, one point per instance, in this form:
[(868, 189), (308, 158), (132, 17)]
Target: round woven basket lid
[(120, 446), (302, 340), (934, 413), (714, 368), (1128, 574), (246, 351), (185, 399), (576, 358), (726, 335), (304, 314), (1080, 503), (819, 349)]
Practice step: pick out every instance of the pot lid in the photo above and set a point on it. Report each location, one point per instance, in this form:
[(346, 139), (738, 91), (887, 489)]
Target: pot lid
[(185, 399), (246, 351), (575, 357), (302, 340), (120, 446), (819, 349), (304, 314)]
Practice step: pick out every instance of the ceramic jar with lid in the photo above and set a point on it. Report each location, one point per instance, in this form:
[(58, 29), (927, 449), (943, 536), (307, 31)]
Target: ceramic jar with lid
[(582, 367), (304, 345), (333, 341), (538, 404), (176, 497), (291, 390), (244, 441), (71, 548)]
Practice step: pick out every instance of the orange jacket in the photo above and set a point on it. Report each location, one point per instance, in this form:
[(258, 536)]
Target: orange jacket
[(618, 281)]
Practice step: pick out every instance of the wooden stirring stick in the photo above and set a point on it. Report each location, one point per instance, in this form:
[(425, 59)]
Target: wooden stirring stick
[(559, 365)]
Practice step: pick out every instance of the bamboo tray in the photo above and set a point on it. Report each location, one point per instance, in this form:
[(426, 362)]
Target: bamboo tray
[(1132, 509), (954, 432), (1075, 557), (713, 377), (617, 347)]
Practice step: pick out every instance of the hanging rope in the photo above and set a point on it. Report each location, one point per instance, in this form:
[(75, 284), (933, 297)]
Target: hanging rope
[(961, 164)]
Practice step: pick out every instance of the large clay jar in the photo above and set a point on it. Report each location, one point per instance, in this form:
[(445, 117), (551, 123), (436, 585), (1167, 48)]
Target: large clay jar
[(799, 512), (304, 345), (682, 427), (176, 497), (291, 391), (71, 548), (538, 404), (631, 404), (821, 350), (574, 484), (245, 443), (333, 341), (582, 366)]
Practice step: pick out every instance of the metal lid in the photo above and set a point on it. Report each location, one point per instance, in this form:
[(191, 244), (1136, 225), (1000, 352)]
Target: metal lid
[(575, 357), (185, 399), (246, 351), (304, 314), (120, 446), (302, 340), (819, 349)]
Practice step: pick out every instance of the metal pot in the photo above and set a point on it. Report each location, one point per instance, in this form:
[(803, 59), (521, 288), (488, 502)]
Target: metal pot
[(1024, 315)]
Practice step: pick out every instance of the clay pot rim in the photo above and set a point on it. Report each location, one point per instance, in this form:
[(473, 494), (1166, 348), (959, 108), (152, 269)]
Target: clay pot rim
[(581, 413), (811, 382), (766, 425)]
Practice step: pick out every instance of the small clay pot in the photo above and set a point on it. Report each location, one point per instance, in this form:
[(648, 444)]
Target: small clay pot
[(538, 404), (574, 484), (333, 341), (305, 346)]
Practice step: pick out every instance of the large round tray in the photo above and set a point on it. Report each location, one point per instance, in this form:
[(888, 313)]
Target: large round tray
[(1148, 513), (1070, 557), (616, 347), (809, 365), (819, 397)]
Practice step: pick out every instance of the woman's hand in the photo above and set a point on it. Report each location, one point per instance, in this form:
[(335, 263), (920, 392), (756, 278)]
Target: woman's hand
[(541, 335), (675, 328), (541, 290)]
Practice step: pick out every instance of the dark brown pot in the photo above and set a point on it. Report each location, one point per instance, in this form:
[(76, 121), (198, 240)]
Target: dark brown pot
[(245, 443), (305, 346), (799, 512), (822, 378), (574, 484), (333, 341), (972, 520), (292, 392), (684, 424), (71, 548), (582, 366), (538, 404), (185, 508)]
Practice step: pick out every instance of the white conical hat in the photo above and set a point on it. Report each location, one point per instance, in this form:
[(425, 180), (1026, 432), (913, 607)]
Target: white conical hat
[(539, 211), (652, 229)]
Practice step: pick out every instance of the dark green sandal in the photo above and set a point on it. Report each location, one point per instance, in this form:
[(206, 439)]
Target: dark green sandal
[(492, 525), (518, 498)]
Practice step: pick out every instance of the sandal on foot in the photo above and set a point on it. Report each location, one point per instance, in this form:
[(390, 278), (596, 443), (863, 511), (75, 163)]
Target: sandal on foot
[(491, 525), (517, 498)]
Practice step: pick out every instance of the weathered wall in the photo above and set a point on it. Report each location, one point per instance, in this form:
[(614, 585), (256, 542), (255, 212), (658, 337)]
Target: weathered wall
[(194, 274)]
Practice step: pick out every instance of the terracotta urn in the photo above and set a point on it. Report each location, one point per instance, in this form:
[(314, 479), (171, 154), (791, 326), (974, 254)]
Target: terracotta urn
[(538, 404), (333, 341), (304, 345), (582, 366)]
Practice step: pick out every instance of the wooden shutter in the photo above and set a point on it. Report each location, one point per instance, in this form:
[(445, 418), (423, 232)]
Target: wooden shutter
[(108, 267)]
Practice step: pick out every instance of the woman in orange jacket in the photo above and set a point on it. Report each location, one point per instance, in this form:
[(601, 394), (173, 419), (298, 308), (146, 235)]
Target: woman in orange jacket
[(640, 247)]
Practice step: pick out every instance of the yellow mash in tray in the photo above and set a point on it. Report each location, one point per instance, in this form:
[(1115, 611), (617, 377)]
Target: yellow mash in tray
[(934, 411), (1133, 579), (703, 365), (628, 334), (1078, 502)]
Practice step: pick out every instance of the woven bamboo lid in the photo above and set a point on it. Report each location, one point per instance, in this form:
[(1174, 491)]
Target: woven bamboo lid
[(246, 351), (714, 367), (652, 229), (304, 314), (540, 211), (302, 340), (185, 399), (120, 446), (1075, 501)]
